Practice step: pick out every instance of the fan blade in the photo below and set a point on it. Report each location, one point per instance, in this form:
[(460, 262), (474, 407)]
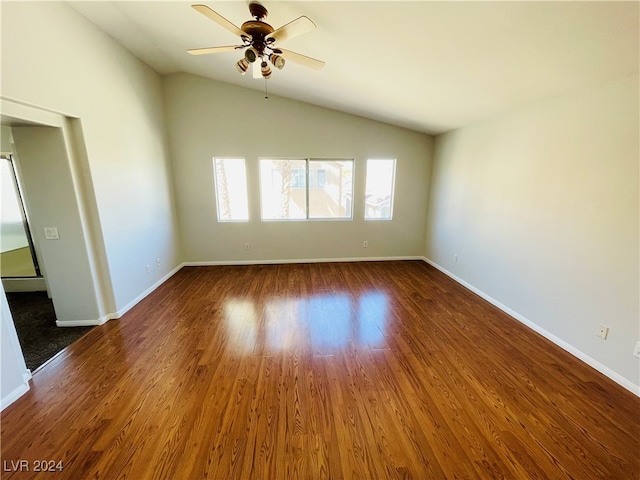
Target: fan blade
[(203, 51), (301, 59), (220, 20), (292, 29)]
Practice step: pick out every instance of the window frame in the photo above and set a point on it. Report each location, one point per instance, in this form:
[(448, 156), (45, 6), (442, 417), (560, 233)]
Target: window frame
[(308, 177)]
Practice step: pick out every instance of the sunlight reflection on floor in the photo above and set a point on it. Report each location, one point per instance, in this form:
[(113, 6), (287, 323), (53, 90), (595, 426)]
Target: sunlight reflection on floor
[(323, 323)]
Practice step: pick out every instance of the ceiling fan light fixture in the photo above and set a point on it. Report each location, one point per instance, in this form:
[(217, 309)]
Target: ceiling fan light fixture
[(258, 41), (277, 61), (242, 66), (250, 55), (265, 69)]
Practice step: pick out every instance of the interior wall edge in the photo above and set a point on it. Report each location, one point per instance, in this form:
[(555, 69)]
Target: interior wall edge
[(90, 216), (606, 371)]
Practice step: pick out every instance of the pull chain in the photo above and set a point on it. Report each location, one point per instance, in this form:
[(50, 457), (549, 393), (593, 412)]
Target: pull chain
[(266, 96)]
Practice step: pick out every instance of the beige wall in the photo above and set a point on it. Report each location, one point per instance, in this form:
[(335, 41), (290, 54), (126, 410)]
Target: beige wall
[(208, 118), (54, 58), (541, 207)]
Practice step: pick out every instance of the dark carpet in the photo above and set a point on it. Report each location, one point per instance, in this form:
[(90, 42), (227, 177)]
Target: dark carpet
[(35, 322)]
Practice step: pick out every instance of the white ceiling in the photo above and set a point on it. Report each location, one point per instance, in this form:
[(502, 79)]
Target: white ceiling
[(428, 66)]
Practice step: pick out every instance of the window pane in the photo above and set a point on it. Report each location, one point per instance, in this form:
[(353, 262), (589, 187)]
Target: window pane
[(282, 192), (231, 189), (331, 194), (379, 189), (298, 178)]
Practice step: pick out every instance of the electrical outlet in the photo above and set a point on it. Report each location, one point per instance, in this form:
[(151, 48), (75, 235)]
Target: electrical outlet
[(148, 269), (603, 331), (158, 262), (636, 351), (365, 244), (246, 246), (455, 258)]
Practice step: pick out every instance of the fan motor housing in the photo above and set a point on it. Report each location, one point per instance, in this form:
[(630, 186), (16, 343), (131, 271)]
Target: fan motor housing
[(257, 29)]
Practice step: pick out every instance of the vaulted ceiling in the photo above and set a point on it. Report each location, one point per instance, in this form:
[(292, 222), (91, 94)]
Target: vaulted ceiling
[(428, 66)]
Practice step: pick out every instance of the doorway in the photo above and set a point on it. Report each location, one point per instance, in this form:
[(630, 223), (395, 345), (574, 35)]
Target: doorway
[(48, 271), (33, 312)]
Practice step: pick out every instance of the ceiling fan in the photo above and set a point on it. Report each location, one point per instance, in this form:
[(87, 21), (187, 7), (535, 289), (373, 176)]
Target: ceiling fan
[(258, 41)]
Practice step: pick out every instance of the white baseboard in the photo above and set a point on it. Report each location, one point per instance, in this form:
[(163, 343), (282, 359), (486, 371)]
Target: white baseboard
[(82, 323), (115, 315), (18, 392), (299, 260), (548, 335), (144, 294)]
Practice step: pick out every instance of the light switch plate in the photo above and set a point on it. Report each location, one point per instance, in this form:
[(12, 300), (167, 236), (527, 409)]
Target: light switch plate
[(51, 233)]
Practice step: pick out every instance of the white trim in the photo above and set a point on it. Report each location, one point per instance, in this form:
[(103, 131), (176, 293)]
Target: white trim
[(619, 379), (144, 294), (82, 323), (15, 395), (25, 111), (35, 284), (299, 260), (122, 311)]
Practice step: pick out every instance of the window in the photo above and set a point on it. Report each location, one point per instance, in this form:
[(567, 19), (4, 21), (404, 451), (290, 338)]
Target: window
[(380, 183), (231, 189), (300, 189)]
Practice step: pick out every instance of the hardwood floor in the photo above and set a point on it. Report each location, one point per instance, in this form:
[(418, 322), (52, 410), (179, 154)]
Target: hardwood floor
[(384, 370)]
